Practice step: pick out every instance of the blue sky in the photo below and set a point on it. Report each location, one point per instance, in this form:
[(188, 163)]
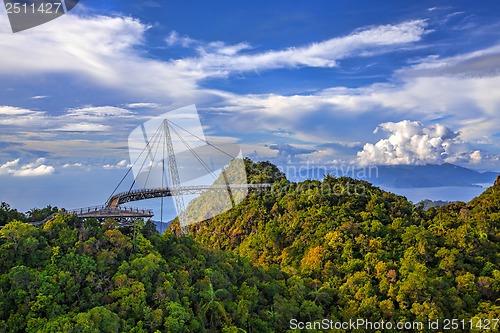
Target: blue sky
[(295, 82)]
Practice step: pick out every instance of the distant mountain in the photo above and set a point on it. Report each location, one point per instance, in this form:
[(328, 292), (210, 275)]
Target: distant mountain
[(402, 176), (162, 226), (426, 204), (429, 175)]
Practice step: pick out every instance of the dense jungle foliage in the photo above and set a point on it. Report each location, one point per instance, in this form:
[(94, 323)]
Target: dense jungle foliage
[(337, 248), (367, 253)]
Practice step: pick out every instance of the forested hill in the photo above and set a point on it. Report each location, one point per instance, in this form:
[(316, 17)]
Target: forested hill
[(383, 256), (75, 277), (339, 249)]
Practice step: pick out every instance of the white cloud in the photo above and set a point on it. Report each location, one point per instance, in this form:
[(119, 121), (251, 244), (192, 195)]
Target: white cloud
[(120, 165), (469, 104), (143, 105), (79, 47), (42, 170), (15, 116), (227, 59), (102, 50), (484, 62), (107, 51), (9, 165), (96, 112), (411, 142), (84, 127), (14, 111), (84, 119), (37, 168), (39, 97), (227, 50), (476, 157), (174, 40), (74, 165)]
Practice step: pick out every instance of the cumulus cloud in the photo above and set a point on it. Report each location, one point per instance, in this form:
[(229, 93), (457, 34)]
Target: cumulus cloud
[(226, 59), (120, 165), (37, 168), (9, 165), (74, 165), (410, 142), (41, 170), (476, 156)]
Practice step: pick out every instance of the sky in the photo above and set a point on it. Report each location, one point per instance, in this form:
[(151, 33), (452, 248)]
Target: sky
[(294, 82)]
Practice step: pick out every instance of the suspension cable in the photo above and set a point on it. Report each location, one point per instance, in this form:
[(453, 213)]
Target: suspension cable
[(130, 169), (198, 157), (208, 143), (151, 141), (157, 133), (152, 163)]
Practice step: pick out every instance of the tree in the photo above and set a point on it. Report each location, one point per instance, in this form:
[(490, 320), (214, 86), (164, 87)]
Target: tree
[(8, 214), (21, 238)]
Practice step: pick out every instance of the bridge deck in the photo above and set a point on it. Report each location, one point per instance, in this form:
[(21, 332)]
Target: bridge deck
[(112, 208), (144, 194), (111, 212)]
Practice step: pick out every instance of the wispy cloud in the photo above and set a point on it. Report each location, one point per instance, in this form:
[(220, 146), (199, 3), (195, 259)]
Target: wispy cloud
[(429, 90), (83, 127), (99, 112), (107, 52), (103, 50), (222, 59), (142, 105), (479, 63), (174, 39), (15, 116), (60, 135), (6, 110)]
